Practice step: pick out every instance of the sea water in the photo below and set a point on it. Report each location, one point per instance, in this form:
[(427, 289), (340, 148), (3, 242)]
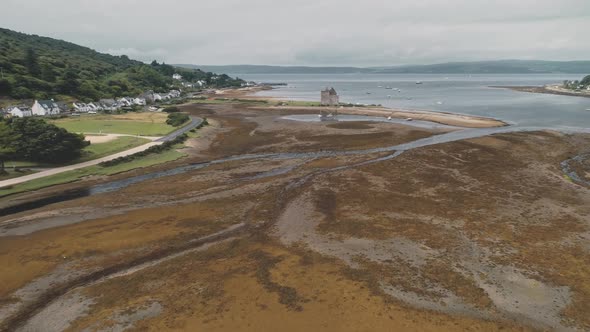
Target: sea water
[(466, 94)]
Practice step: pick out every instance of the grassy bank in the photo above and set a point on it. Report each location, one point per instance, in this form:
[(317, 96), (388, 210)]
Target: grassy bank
[(144, 124), (75, 175)]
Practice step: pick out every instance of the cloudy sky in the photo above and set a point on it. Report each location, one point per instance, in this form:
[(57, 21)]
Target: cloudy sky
[(313, 32)]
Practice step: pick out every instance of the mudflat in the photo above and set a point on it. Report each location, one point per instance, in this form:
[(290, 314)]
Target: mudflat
[(313, 225)]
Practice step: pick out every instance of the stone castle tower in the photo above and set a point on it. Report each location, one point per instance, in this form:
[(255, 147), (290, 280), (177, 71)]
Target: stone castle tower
[(329, 97)]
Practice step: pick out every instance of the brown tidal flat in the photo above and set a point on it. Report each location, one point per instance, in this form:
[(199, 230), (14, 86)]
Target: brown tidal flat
[(481, 234)]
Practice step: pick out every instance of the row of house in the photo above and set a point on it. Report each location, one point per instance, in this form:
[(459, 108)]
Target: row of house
[(40, 108), (198, 84), (51, 107)]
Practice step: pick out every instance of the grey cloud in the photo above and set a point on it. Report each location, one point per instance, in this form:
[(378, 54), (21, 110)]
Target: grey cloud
[(328, 32)]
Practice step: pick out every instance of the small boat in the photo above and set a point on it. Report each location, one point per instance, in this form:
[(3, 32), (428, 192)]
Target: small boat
[(380, 86), (588, 109), (388, 88), (409, 119), (439, 102), (368, 93), (418, 82), (389, 117)]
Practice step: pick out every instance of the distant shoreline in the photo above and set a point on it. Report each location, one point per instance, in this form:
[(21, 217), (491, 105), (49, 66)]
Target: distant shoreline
[(544, 90)]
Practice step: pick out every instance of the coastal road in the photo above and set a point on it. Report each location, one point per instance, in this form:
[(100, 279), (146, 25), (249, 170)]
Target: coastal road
[(195, 122)]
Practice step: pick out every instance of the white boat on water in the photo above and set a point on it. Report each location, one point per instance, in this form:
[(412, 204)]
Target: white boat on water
[(418, 82), (388, 88), (409, 119)]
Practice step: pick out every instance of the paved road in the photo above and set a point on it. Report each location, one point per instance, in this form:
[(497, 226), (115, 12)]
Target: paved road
[(193, 124)]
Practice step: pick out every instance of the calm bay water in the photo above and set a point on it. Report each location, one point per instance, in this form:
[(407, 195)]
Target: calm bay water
[(448, 93)]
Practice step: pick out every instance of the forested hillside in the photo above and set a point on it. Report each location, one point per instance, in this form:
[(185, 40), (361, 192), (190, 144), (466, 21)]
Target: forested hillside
[(39, 67)]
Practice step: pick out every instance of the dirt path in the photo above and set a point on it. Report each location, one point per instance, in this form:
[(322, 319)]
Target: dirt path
[(96, 138), (58, 170)]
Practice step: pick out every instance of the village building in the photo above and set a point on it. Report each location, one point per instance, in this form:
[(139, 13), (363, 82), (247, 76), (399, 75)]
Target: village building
[(139, 101), (20, 111), (108, 104), (80, 107), (45, 107), (329, 97), (63, 107), (125, 102), (177, 77)]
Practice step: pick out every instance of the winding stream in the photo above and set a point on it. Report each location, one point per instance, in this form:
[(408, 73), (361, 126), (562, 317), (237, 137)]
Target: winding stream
[(396, 150)]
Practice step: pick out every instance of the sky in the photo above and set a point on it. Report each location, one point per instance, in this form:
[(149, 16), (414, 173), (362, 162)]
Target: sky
[(312, 32)]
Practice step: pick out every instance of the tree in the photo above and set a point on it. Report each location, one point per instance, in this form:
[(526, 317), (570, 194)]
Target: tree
[(87, 90), (44, 142), (21, 93), (176, 119), (68, 83), (47, 73), (32, 63), (5, 87), (585, 81), (7, 148)]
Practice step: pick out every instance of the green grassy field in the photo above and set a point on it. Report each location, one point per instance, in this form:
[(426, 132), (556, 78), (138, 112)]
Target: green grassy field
[(76, 175), (93, 151), (145, 124), (99, 150), (14, 174)]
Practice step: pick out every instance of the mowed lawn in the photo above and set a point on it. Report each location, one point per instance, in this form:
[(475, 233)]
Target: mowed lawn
[(145, 124), (93, 151), (99, 150)]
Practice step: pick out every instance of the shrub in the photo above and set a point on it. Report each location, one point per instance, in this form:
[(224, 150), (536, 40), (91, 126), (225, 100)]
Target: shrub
[(176, 119), (171, 109)]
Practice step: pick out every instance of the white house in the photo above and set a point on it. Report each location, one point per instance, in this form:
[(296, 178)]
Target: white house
[(139, 101), (80, 107), (45, 107), (201, 83), (177, 77), (20, 111), (109, 104), (92, 107), (125, 101)]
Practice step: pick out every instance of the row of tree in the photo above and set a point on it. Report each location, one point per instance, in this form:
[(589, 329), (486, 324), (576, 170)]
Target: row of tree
[(33, 139)]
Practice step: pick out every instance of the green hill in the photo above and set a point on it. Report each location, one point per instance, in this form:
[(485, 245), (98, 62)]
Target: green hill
[(40, 67), (476, 67)]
